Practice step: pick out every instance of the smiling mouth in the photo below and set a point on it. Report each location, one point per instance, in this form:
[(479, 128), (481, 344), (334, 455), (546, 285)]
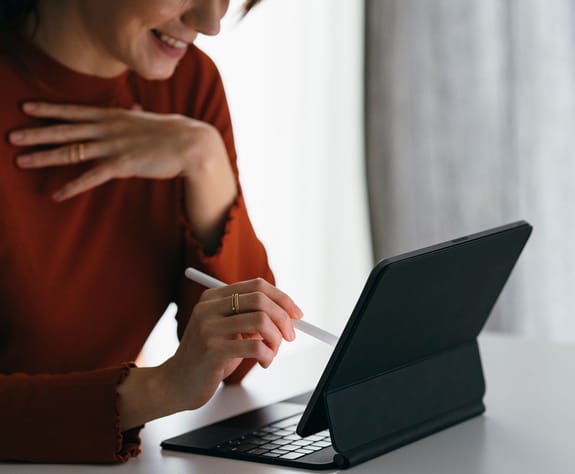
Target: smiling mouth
[(168, 40)]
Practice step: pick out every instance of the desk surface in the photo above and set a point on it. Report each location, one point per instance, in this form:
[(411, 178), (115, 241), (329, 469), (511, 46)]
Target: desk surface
[(527, 427)]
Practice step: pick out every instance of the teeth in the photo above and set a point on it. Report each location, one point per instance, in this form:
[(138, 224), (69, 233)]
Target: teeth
[(173, 42)]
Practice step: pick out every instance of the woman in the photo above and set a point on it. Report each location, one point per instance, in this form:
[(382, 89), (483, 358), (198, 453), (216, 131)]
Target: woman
[(117, 171)]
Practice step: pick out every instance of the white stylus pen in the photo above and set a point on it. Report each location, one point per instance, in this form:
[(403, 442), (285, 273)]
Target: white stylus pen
[(314, 331)]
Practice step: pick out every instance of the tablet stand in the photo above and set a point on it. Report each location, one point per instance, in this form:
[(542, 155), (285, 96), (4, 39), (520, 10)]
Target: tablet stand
[(377, 415)]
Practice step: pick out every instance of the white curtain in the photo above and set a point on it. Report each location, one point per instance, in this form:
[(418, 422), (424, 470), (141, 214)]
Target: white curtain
[(471, 124), (293, 72)]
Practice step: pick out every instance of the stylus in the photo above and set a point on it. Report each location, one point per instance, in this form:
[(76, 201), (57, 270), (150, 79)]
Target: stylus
[(211, 282)]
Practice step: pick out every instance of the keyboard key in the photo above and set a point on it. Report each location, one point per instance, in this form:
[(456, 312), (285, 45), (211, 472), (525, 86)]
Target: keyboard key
[(303, 451), (244, 448), (256, 441), (292, 455), (269, 454), (303, 442), (278, 451), (313, 447), (257, 451), (323, 444), (291, 447), (287, 422), (270, 437), (270, 446), (283, 441)]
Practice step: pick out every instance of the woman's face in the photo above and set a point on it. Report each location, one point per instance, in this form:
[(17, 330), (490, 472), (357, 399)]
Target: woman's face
[(148, 36)]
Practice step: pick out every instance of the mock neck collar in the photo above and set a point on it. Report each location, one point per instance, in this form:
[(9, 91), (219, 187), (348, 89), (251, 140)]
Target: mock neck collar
[(59, 82)]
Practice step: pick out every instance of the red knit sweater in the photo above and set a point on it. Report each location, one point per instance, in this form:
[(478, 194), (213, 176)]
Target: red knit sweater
[(83, 282)]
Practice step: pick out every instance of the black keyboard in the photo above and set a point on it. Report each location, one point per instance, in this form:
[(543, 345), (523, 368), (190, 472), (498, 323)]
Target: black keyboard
[(277, 440)]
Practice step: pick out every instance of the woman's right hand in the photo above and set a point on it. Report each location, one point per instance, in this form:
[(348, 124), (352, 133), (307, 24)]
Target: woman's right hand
[(218, 337)]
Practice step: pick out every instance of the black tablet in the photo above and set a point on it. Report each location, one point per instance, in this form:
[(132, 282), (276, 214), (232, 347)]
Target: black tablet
[(418, 304), (406, 365)]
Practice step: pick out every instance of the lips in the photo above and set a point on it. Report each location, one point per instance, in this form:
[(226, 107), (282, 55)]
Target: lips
[(170, 40)]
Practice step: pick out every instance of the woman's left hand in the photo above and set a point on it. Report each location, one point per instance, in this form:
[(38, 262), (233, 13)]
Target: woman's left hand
[(124, 144)]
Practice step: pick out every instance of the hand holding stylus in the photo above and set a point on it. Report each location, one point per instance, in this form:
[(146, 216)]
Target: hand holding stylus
[(305, 327)]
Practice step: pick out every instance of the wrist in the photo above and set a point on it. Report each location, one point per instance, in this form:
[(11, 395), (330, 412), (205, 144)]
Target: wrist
[(145, 396)]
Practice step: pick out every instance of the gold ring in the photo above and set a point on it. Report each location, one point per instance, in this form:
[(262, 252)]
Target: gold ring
[(81, 155), (235, 303), (73, 153)]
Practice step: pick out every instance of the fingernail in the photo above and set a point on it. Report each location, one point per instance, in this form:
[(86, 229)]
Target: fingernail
[(29, 107), (16, 136), (58, 196), (292, 334), (23, 160)]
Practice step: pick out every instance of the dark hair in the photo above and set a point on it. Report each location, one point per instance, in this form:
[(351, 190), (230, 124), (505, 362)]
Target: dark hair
[(12, 12), (249, 4)]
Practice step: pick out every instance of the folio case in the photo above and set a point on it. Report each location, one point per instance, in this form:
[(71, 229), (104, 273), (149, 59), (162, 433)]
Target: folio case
[(412, 401), (408, 363)]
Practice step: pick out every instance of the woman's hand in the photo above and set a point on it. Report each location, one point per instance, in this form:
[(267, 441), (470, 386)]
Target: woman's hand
[(221, 332), (133, 143)]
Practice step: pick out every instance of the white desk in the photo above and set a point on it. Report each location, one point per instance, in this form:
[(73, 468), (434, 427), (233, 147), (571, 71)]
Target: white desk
[(528, 428)]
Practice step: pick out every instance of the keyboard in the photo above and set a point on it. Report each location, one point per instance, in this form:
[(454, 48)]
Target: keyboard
[(277, 440)]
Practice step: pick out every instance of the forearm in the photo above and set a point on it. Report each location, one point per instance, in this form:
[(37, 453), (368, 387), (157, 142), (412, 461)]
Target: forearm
[(210, 191), (144, 396)]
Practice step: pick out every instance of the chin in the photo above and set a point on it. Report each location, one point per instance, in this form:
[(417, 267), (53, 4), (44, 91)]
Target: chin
[(156, 74)]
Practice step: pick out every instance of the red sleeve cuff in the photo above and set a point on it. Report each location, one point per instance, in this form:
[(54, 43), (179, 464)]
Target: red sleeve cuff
[(65, 418), (196, 248)]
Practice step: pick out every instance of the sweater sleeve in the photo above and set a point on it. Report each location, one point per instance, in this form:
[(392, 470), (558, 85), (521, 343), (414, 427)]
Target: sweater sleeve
[(70, 418), (240, 255)]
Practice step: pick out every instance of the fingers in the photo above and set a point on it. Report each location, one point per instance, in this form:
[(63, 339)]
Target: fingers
[(257, 285), (74, 113), (248, 349), (258, 303), (62, 133), (89, 180), (70, 154), (257, 324)]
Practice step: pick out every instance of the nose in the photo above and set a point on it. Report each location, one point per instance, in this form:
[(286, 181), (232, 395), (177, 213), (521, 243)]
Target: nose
[(205, 16)]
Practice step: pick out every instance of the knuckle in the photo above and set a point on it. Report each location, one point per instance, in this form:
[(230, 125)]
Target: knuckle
[(206, 295), (260, 299), (117, 125), (259, 284), (123, 166)]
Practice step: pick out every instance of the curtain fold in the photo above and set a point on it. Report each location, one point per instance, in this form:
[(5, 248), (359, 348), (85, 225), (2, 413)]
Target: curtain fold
[(470, 117)]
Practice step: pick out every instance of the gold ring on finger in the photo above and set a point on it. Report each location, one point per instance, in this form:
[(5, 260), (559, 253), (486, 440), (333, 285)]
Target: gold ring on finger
[(235, 303), (73, 153), (81, 155)]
